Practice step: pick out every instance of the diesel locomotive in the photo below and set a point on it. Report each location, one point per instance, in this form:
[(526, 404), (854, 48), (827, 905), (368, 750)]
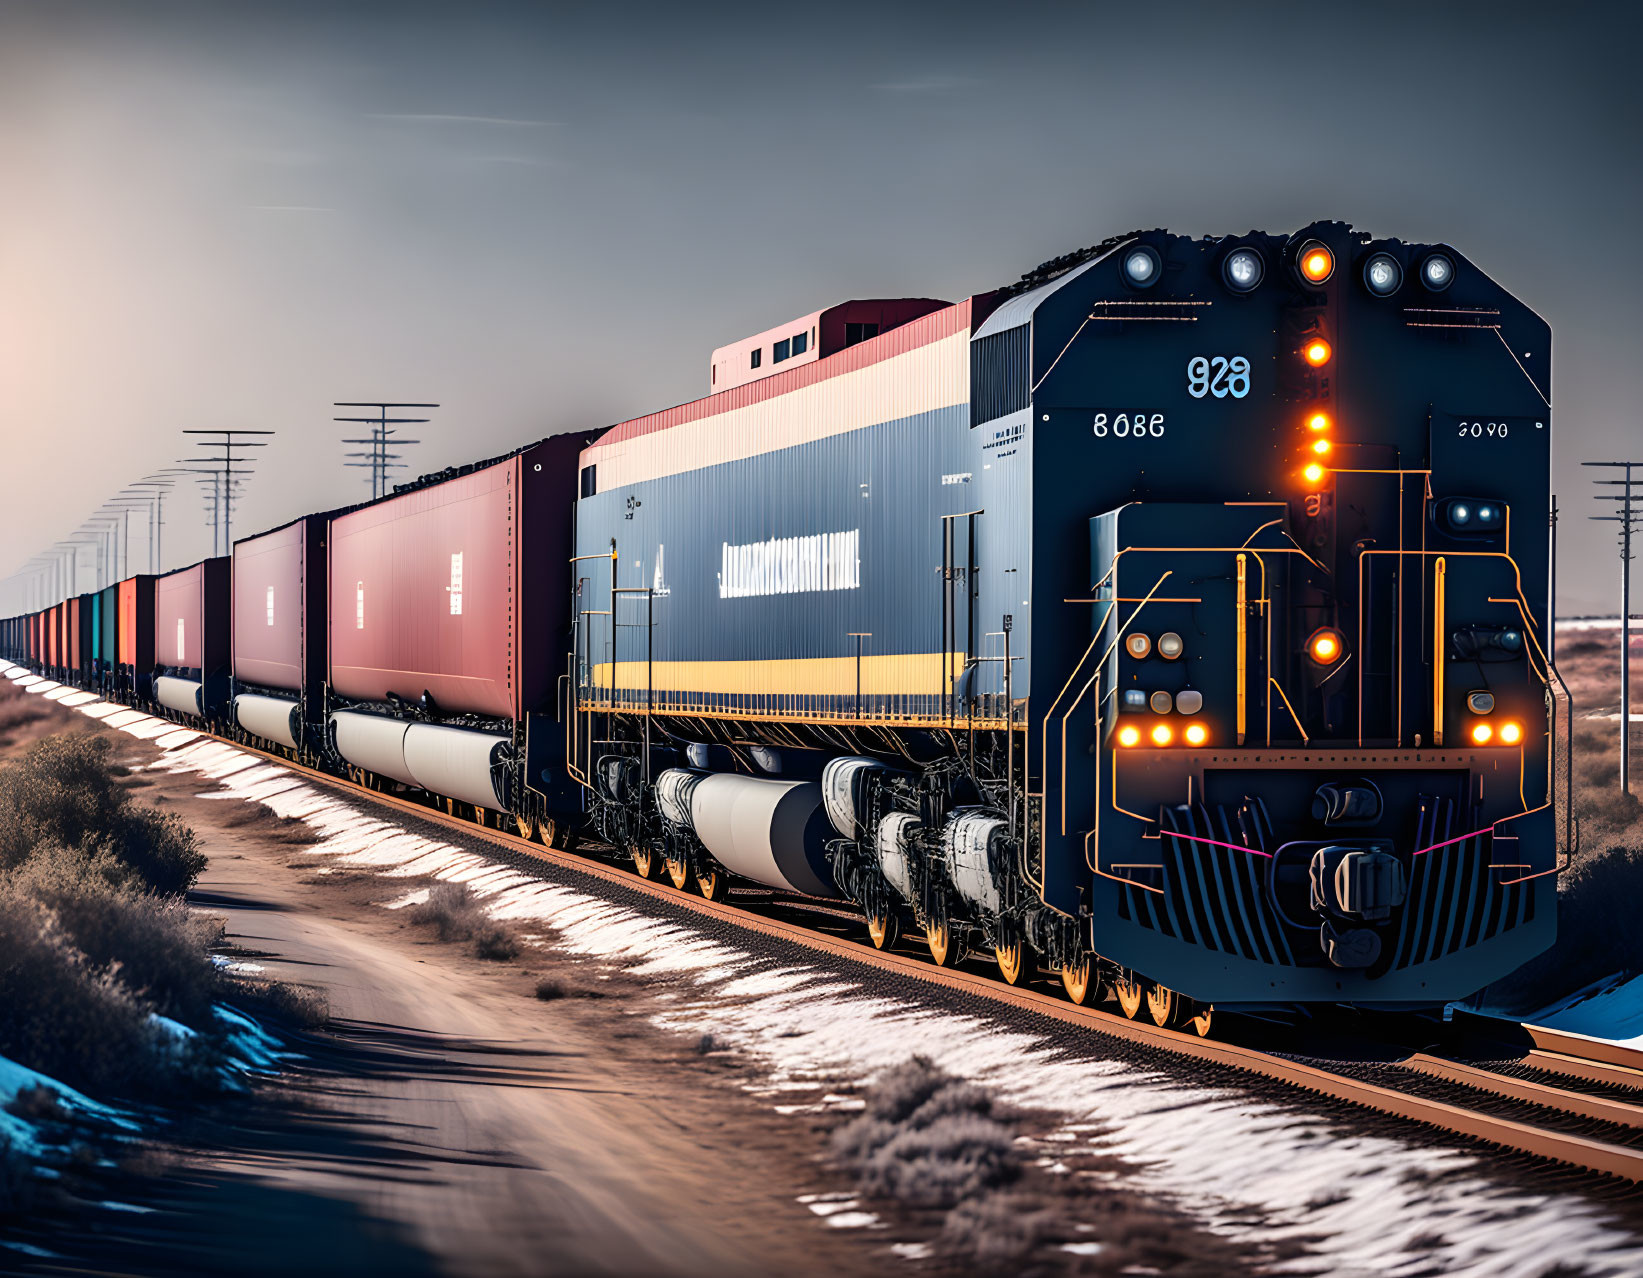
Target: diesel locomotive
[(1174, 624)]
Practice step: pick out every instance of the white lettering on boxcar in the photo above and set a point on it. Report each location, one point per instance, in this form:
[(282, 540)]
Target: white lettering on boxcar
[(455, 588), (270, 605), (359, 605), (791, 565), (180, 644)]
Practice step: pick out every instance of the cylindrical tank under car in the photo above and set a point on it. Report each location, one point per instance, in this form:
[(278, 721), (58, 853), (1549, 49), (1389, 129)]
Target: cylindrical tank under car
[(373, 742), (272, 718), (456, 762), (969, 846), (772, 832), (185, 696)]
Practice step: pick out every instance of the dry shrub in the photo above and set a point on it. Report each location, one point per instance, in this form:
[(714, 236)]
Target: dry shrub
[(269, 825), (67, 1017), (995, 1231), (927, 1139), (456, 915), (65, 792), (157, 945), (550, 988), (300, 1005)]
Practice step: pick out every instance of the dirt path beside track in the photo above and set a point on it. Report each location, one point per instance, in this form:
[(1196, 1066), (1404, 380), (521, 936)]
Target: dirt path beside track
[(448, 1121)]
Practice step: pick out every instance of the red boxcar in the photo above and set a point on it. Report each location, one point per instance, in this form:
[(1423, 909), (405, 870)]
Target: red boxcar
[(457, 589), (270, 608), (191, 625)]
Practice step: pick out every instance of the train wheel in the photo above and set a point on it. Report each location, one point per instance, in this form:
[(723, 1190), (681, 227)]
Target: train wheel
[(1076, 980), (551, 835), (644, 861), (1196, 1017), (1013, 960), (1162, 1005), (1127, 989), (939, 934), (713, 884), (678, 870), (527, 827), (883, 927)]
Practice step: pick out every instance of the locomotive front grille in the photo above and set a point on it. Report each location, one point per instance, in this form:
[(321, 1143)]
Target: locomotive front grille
[(1455, 900), (1206, 891)]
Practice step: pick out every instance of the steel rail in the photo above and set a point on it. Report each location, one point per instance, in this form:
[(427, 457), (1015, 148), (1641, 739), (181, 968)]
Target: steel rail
[(1585, 1153), (1588, 1154)]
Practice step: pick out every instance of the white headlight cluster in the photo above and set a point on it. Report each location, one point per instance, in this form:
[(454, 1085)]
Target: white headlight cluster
[(1142, 266)]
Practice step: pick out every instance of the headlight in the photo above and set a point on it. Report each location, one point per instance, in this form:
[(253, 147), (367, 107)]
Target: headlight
[(1135, 699), (1189, 702), (1137, 645), (1170, 645), (1437, 272), (1242, 270), (1470, 516), (1142, 266), (1480, 702), (1161, 702), (1315, 262), (1382, 274)]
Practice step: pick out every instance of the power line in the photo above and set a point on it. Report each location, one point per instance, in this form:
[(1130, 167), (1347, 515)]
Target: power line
[(379, 460), (1631, 512)]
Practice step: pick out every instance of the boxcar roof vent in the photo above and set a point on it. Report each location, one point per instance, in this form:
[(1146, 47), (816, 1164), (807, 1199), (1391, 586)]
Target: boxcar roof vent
[(811, 337)]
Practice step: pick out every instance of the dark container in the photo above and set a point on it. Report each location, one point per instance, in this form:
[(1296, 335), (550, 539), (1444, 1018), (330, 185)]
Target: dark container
[(107, 652)]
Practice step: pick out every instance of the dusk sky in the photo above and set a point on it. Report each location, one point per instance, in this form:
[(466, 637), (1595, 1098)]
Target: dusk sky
[(546, 217)]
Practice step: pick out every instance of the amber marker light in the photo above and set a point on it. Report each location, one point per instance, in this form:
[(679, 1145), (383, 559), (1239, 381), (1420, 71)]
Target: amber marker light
[(1313, 473), (1196, 734), (1128, 735), (1317, 352), (1319, 421), (1162, 735), (1317, 263), (1481, 733), (1324, 647), (1321, 447), (1510, 734)]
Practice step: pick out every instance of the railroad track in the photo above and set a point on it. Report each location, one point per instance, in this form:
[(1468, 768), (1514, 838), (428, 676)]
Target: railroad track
[(1537, 1092)]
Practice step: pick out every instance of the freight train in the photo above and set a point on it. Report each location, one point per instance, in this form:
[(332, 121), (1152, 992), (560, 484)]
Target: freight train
[(1173, 624)]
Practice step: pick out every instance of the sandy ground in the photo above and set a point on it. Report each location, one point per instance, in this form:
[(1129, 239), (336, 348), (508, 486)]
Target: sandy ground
[(449, 1122)]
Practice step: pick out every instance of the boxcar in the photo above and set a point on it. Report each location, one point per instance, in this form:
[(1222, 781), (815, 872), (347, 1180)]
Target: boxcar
[(448, 607), (191, 638)]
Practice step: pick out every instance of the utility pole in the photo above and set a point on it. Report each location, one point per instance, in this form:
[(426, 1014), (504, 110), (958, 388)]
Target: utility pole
[(379, 459), (159, 486), (1631, 510), (229, 441)]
